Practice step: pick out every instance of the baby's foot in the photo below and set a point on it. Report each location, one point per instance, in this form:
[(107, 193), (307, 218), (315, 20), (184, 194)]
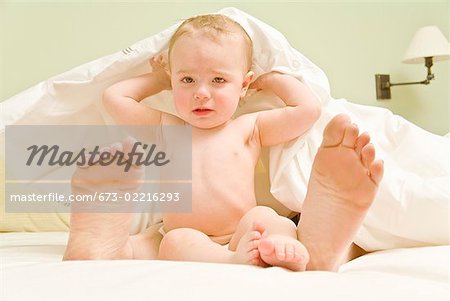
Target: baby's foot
[(247, 249), (100, 229), (283, 251), (343, 183)]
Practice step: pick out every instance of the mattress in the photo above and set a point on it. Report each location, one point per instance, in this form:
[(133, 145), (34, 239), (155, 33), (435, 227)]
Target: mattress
[(32, 269)]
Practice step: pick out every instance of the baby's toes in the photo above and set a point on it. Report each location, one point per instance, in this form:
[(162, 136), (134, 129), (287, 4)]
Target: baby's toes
[(254, 257), (301, 254), (290, 252), (253, 240), (252, 245), (116, 147), (280, 252), (254, 254), (255, 235), (298, 256)]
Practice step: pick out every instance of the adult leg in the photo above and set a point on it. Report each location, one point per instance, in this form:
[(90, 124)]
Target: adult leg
[(100, 230)]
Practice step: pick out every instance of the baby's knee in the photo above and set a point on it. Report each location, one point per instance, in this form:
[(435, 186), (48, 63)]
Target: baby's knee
[(169, 243), (267, 216), (174, 242), (260, 212)]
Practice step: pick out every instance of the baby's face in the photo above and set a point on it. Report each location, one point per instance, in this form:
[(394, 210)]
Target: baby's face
[(208, 78)]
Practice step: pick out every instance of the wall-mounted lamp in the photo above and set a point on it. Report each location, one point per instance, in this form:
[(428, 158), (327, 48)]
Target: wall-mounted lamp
[(427, 45)]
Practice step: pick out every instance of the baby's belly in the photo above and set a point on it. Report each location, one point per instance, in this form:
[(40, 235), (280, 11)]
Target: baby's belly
[(212, 217)]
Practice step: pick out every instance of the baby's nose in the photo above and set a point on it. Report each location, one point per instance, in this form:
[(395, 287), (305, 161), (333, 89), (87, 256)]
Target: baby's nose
[(202, 93)]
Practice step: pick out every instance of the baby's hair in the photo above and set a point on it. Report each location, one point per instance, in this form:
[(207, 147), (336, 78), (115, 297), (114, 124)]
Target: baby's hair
[(212, 25)]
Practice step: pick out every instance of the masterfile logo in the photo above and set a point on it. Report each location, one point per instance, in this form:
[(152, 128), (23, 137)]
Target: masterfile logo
[(95, 168), (54, 156)]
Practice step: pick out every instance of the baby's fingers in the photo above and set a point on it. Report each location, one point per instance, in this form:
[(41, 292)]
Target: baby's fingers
[(255, 85), (153, 62), (157, 62)]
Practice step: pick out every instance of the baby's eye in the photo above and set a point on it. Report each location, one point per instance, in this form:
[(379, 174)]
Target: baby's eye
[(218, 80), (187, 80)]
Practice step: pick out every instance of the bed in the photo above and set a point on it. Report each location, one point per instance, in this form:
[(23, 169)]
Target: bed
[(406, 230), (32, 269)]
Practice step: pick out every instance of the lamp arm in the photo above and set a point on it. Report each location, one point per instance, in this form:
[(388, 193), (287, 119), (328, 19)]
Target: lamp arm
[(430, 76), (424, 82)]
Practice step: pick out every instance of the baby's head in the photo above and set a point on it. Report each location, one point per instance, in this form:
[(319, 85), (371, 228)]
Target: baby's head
[(209, 61), (215, 27)]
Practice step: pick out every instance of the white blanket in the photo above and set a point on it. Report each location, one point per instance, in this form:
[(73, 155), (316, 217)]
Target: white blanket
[(412, 206), (32, 270)]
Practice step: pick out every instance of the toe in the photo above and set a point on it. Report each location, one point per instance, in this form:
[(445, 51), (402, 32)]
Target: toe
[(254, 254), (368, 154), (266, 247), (376, 171), (298, 257), (334, 131), (116, 147), (298, 254), (280, 252), (105, 149), (254, 235), (350, 135), (303, 255), (290, 252), (361, 141), (253, 244), (129, 144)]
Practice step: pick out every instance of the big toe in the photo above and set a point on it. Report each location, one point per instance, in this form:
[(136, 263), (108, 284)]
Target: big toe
[(335, 130), (266, 247)]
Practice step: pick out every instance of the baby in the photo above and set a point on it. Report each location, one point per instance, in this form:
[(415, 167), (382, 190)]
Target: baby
[(209, 71)]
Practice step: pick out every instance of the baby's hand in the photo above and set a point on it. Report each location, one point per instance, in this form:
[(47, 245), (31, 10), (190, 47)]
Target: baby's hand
[(159, 66), (263, 82)]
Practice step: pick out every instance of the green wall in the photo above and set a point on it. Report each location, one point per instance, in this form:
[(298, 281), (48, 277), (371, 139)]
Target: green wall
[(349, 40)]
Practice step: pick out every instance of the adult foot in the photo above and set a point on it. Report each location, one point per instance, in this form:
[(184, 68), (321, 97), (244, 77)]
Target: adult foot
[(343, 184), (99, 229), (283, 251), (99, 236)]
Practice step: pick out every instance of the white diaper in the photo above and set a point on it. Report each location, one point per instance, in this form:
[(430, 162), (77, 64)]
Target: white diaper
[(162, 231)]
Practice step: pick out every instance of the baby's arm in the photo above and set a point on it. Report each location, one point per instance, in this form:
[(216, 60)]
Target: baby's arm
[(284, 124), (122, 100)]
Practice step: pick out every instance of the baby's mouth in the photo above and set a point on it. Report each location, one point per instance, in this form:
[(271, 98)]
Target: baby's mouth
[(202, 111)]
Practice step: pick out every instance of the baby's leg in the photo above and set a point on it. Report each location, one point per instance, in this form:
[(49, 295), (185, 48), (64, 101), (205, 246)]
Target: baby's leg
[(278, 245), (342, 187), (191, 245)]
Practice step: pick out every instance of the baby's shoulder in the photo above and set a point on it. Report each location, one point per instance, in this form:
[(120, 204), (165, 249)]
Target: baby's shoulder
[(169, 119), (245, 124), (246, 119)]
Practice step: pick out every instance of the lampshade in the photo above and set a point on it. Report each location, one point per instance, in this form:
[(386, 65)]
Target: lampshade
[(427, 41)]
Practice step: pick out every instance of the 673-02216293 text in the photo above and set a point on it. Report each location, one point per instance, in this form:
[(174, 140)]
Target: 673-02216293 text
[(99, 196)]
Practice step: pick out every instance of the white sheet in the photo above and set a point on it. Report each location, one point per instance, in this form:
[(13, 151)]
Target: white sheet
[(412, 206), (32, 269)]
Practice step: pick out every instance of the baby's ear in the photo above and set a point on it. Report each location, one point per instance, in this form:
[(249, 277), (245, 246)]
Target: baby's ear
[(248, 78)]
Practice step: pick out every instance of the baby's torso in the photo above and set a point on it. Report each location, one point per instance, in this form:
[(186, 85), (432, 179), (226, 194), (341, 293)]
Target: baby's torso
[(223, 163)]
